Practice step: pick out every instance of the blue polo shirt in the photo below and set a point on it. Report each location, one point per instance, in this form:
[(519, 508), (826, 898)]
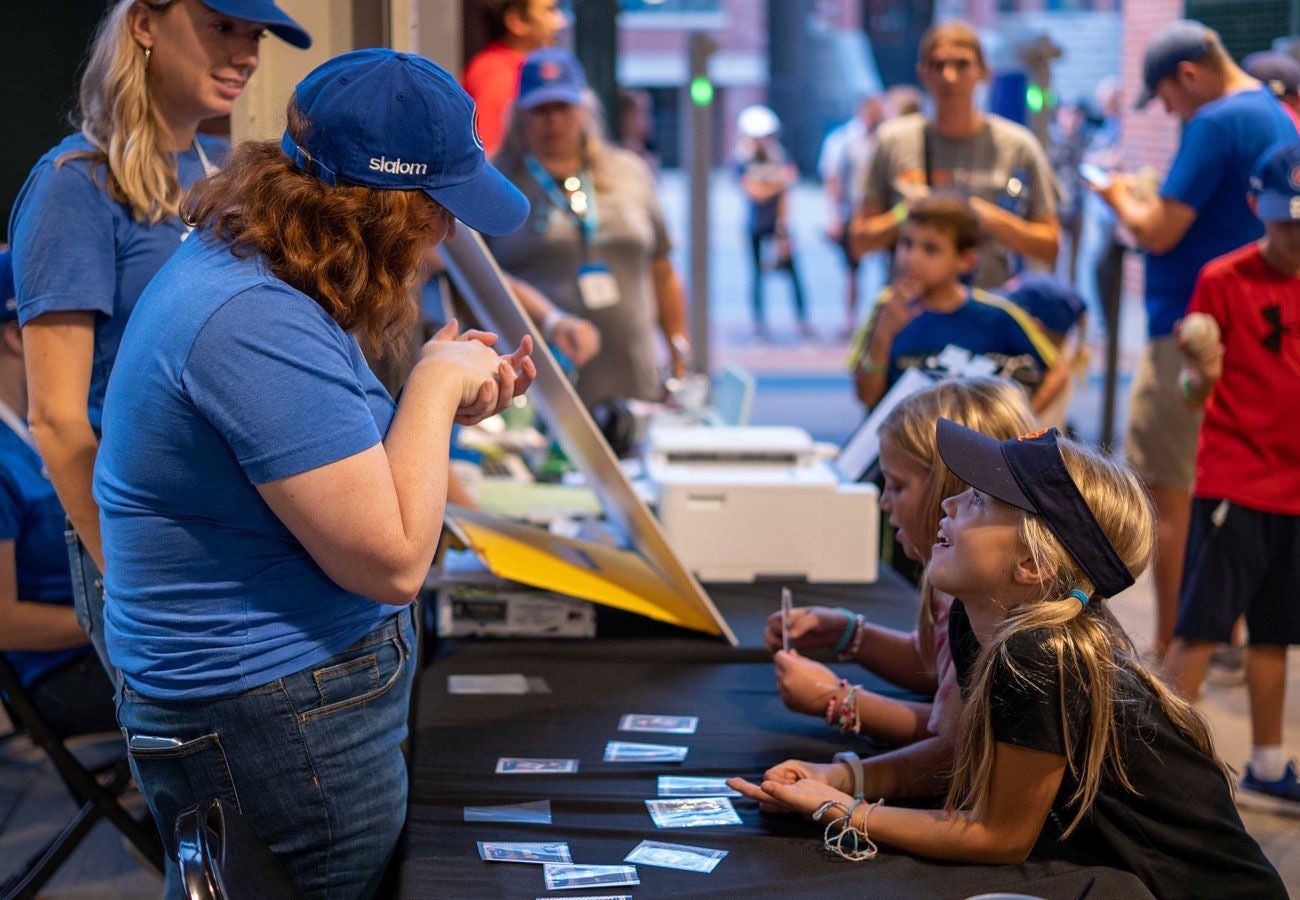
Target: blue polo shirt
[(227, 378), (31, 517), (76, 249), (1210, 173)]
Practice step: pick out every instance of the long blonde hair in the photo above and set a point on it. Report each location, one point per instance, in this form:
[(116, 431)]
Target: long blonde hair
[(1085, 643), (117, 115), (992, 406)]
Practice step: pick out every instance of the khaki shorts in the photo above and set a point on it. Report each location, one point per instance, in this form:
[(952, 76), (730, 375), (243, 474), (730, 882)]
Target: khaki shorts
[(1162, 431)]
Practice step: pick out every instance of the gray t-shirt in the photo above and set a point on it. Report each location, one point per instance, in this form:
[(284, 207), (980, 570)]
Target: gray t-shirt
[(1002, 163), (547, 252)]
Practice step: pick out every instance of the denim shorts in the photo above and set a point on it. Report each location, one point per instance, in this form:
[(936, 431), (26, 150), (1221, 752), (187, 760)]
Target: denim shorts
[(313, 760)]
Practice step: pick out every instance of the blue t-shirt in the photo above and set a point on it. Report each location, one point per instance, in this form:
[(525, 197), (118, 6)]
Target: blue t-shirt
[(227, 378), (31, 517), (1210, 173), (76, 249), (986, 325)]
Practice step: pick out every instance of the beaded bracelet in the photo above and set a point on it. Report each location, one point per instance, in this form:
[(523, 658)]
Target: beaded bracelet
[(844, 712), (850, 653)]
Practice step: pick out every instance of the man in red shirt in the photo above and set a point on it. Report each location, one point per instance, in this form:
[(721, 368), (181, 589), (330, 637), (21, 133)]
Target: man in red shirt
[(1243, 548), (492, 76)]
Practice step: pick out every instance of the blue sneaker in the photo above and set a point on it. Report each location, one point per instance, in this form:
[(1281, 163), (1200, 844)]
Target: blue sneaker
[(1281, 796)]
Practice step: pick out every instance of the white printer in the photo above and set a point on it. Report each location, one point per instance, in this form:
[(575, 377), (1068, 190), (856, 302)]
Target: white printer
[(741, 503)]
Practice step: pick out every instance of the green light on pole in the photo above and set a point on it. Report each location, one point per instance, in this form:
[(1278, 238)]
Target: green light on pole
[(701, 91), (1034, 98)]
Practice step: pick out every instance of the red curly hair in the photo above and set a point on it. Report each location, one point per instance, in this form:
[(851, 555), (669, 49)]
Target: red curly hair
[(354, 250)]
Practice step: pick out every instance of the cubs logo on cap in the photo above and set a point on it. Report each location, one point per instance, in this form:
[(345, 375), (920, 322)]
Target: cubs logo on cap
[(551, 75), (1275, 183)]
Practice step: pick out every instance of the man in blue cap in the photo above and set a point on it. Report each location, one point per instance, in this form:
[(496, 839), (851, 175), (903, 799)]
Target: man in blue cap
[(1244, 541), (1199, 214)]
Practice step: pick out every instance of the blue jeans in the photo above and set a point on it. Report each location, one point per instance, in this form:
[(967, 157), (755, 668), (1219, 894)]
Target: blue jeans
[(312, 760), (88, 599)]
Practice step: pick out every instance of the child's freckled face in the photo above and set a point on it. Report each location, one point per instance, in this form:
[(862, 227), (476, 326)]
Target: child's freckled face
[(978, 547), (904, 498)]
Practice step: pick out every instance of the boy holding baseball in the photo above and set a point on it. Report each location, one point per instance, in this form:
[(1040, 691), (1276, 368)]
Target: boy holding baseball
[(1243, 549)]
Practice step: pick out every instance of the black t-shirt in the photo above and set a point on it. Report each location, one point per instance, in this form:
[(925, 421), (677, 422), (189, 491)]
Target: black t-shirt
[(1180, 833)]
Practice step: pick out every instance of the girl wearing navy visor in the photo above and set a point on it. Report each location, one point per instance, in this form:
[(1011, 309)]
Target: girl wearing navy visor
[(1068, 748)]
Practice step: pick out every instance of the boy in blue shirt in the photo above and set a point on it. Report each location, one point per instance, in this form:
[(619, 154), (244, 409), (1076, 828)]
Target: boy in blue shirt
[(39, 633), (927, 307)]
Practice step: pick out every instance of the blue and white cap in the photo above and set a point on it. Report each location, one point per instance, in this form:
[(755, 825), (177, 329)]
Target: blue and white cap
[(551, 75), (396, 121), (1275, 183), (276, 20)]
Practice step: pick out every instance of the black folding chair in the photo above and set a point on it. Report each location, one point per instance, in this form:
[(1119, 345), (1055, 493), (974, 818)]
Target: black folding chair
[(97, 797), (222, 858)]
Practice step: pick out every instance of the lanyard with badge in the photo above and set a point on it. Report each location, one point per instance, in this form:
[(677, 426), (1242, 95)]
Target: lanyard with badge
[(596, 285), (208, 171)]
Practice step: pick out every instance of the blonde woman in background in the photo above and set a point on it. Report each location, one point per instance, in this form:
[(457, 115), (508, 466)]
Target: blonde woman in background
[(98, 216)]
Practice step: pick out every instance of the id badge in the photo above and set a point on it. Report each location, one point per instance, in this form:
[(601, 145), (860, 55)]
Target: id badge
[(597, 287)]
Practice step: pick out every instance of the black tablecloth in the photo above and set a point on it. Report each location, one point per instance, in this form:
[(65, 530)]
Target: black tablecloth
[(601, 812)]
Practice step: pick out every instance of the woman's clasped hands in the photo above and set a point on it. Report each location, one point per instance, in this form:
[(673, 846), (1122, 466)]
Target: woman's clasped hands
[(486, 381)]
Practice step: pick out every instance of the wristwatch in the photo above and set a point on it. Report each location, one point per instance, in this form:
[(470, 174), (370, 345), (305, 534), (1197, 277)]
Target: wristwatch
[(851, 759)]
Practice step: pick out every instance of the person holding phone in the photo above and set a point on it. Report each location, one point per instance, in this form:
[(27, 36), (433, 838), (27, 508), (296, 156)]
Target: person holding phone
[(1200, 213)]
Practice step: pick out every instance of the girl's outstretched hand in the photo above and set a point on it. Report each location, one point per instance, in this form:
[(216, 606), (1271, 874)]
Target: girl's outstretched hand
[(804, 685), (834, 774), (802, 797)]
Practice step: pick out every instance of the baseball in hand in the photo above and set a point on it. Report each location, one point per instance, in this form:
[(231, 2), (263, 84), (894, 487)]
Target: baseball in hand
[(1198, 333)]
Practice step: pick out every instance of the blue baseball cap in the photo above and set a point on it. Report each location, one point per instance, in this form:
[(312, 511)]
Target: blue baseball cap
[(396, 121), (1277, 70), (551, 75), (8, 293), (1275, 183), (1179, 42), (1029, 473), (277, 21), (1048, 299)]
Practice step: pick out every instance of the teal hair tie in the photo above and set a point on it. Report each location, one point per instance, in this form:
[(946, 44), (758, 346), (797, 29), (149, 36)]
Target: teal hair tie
[(1080, 595)]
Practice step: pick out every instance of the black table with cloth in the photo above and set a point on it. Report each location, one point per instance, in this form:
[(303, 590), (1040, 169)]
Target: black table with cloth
[(637, 666)]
